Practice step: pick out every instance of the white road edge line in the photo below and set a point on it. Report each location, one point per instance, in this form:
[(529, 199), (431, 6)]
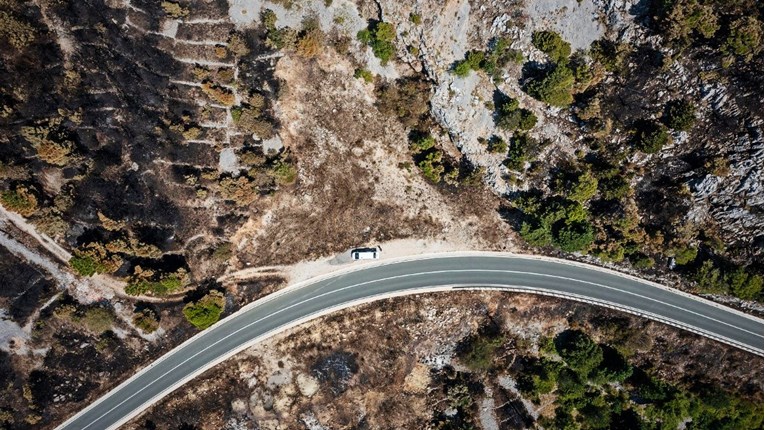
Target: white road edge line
[(356, 268), (414, 291)]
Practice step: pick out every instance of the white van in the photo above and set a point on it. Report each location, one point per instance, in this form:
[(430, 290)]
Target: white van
[(365, 254)]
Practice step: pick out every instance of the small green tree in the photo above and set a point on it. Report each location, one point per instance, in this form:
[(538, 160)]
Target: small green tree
[(680, 115), (472, 61), (380, 37), (497, 145), (745, 38), (574, 236), (551, 44), (146, 320), (364, 74), (206, 311), (555, 87), (650, 136), (578, 351), (511, 117), (422, 143), (584, 188), (431, 167)]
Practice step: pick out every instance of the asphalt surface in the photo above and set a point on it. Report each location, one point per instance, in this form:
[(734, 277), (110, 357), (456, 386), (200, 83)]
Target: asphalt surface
[(513, 273)]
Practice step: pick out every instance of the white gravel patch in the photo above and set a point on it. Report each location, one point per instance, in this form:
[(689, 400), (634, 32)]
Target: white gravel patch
[(228, 162), (577, 22)]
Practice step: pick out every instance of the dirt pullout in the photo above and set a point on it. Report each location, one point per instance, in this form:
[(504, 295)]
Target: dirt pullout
[(377, 365), (355, 182)]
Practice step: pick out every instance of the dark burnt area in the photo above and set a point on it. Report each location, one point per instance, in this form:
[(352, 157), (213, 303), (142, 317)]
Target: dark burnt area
[(125, 163), (24, 287), (335, 370)]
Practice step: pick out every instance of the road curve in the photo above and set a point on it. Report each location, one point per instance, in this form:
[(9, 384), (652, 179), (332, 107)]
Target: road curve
[(298, 304)]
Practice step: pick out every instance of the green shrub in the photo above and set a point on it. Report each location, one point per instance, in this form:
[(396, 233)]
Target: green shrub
[(146, 321), (745, 38), (499, 56), (431, 167), (480, 352), (536, 234), (609, 54), (650, 136), (284, 172), (497, 145), (98, 319), (578, 351), (21, 200), (745, 285), (415, 18), (422, 143), (206, 311), (680, 115), (685, 255), (268, 19), (555, 87), (94, 258), (472, 61), (165, 285), (584, 187), (521, 148), (462, 69), (687, 19), (364, 74), (642, 261), (551, 44), (574, 236), (511, 117), (85, 265), (380, 38)]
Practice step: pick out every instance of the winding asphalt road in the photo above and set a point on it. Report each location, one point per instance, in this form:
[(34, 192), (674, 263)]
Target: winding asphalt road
[(298, 304)]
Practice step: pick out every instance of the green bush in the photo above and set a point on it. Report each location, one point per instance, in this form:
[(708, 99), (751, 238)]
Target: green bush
[(685, 255), (536, 234), (497, 145), (86, 265), (680, 115), (164, 286), (380, 38), (745, 38), (21, 200), (480, 352), (206, 311), (574, 236), (642, 261), (579, 351), (98, 319), (609, 54), (431, 167), (650, 136), (284, 172), (583, 188), (415, 18), (472, 61), (364, 74), (522, 148), (499, 56), (555, 87), (511, 117), (146, 321), (422, 143), (551, 44)]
